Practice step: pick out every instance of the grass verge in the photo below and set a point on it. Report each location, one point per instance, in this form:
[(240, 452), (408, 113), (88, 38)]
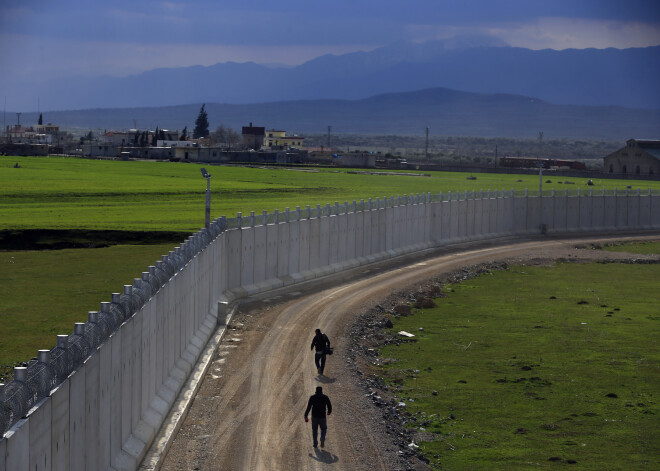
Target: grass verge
[(535, 367), (634, 247)]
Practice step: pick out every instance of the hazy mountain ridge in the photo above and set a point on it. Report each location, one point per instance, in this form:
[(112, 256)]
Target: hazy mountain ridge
[(446, 112), (594, 77)]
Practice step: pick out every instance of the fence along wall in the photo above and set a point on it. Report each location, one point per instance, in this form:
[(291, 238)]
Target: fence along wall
[(97, 399)]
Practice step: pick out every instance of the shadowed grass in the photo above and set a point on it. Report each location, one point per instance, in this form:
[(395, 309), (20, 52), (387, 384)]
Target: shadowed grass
[(536, 364)]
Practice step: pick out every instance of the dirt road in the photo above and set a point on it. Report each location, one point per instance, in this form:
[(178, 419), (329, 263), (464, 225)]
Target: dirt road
[(248, 414)]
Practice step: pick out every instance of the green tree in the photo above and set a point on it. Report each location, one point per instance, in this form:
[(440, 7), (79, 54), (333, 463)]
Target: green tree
[(201, 124), (184, 134)]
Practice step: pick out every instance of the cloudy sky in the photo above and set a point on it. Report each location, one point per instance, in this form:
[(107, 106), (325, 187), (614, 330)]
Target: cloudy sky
[(120, 37)]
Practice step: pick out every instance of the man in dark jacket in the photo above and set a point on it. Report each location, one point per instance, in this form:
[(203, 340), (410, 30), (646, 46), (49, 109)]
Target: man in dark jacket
[(321, 343), (318, 403)]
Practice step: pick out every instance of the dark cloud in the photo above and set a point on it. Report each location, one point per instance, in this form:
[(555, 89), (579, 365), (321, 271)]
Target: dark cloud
[(254, 22)]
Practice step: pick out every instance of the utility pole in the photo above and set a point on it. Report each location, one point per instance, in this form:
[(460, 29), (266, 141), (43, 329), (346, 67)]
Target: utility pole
[(329, 129), (18, 115), (426, 149)]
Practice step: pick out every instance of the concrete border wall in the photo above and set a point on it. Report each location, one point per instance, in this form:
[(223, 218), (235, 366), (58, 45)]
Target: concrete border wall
[(106, 413)]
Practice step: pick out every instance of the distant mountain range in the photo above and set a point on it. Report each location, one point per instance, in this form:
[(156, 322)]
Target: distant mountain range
[(446, 112), (594, 77)]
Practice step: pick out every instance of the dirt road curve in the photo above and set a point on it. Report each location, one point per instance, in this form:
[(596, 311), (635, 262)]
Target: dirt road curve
[(248, 414)]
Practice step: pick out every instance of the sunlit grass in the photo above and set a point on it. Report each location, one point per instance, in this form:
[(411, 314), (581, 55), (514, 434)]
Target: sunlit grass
[(535, 364), (64, 193)]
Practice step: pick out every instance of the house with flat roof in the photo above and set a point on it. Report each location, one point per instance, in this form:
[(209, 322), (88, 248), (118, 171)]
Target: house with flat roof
[(253, 136), (279, 140)]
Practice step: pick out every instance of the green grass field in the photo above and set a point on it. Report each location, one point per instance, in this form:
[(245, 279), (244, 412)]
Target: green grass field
[(540, 367), (44, 293), (635, 247), (73, 193)]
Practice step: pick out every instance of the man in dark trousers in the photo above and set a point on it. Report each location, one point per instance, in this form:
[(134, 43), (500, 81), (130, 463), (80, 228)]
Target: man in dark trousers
[(321, 343), (318, 403)]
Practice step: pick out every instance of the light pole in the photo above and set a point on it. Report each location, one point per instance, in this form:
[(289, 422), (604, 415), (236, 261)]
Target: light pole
[(540, 165), (206, 175)]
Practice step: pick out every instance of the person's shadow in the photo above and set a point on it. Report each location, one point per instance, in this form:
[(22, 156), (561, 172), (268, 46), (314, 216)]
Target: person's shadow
[(325, 379), (324, 456)]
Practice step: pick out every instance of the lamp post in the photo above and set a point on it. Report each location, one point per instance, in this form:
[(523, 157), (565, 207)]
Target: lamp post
[(206, 175)]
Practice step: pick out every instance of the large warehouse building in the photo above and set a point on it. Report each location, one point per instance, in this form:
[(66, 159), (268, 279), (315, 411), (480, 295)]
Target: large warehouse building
[(639, 157)]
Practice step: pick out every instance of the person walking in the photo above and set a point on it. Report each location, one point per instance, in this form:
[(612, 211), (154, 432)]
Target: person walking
[(322, 344), (318, 403)]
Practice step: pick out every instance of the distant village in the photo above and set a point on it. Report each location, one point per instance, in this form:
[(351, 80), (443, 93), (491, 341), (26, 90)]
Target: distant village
[(255, 144), (639, 158)]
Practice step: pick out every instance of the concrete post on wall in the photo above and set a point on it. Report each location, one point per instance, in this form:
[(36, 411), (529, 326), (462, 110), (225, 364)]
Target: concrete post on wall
[(547, 211), (654, 210), (533, 214), (395, 224), (17, 450), (303, 247), (324, 244), (333, 237), (260, 255), (377, 243), (359, 234), (246, 266), (315, 240), (597, 212), (40, 432), (234, 263), (480, 216), (470, 209), (350, 235), (520, 214), (77, 436), (633, 208), (271, 250), (294, 247), (609, 214), (622, 210), (91, 418), (645, 210), (389, 233), (367, 233), (572, 212), (586, 210), (436, 221), (453, 217)]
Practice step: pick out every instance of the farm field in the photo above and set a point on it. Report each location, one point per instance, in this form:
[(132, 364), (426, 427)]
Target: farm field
[(44, 293), (535, 367), (72, 193)]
